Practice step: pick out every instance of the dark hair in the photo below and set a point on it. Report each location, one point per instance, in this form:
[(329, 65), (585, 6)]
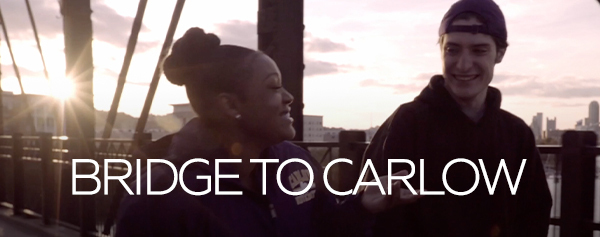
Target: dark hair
[(500, 44), (205, 67)]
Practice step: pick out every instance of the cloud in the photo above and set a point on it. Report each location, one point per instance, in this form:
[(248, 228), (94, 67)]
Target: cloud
[(419, 82), (566, 104), (33, 80), (138, 83), (398, 88), (424, 77), (114, 75), (317, 67), (46, 13), (242, 33), (512, 78), (23, 71), (370, 82), (516, 85), (534, 86), (577, 91), (322, 45), (108, 25), (145, 46), (113, 28), (391, 6)]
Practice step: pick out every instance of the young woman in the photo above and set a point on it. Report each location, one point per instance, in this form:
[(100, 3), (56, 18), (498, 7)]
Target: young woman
[(243, 114)]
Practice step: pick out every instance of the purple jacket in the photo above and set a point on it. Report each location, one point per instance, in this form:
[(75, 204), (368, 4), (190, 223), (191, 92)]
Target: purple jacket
[(315, 213)]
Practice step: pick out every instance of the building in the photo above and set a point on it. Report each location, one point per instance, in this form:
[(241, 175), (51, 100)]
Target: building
[(332, 134), (370, 133), (184, 112), (44, 110), (593, 114), (313, 128), (591, 122), (554, 137), (579, 125), (536, 126), (550, 125)]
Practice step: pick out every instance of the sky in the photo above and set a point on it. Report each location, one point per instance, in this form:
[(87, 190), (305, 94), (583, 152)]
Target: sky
[(363, 58)]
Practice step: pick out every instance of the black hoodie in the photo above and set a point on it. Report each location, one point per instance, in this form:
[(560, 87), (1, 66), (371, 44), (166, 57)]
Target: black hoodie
[(434, 128)]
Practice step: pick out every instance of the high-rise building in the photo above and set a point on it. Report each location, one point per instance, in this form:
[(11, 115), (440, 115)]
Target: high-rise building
[(550, 124), (579, 125), (536, 125), (593, 114), (591, 122), (313, 128)]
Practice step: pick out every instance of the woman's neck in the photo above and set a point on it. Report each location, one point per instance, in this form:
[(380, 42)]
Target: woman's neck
[(238, 147)]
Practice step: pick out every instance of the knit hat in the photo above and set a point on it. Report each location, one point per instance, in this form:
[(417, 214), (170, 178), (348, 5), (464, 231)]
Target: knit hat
[(494, 23)]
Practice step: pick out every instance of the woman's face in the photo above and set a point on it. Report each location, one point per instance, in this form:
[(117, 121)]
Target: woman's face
[(265, 109)]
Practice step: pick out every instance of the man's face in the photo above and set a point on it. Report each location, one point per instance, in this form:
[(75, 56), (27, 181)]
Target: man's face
[(469, 61)]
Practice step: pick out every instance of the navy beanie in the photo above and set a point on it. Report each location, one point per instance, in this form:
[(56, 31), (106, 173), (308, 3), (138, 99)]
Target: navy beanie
[(494, 23)]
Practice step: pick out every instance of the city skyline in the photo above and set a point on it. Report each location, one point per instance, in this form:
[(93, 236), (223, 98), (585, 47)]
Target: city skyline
[(589, 123), (362, 61)]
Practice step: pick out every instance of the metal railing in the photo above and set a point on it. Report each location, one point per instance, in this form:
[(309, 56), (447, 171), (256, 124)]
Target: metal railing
[(36, 178)]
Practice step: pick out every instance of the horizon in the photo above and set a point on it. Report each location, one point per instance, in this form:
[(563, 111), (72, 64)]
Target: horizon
[(376, 54)]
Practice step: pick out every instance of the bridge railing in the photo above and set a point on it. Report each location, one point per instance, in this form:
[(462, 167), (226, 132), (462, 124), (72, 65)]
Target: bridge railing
[(36, 178)]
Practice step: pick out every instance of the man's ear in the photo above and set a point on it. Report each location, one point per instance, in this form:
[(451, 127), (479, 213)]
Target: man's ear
[(229, 104), (500, 55)]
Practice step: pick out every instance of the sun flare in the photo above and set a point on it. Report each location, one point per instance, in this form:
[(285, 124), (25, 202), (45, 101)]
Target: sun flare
[(61, 88)]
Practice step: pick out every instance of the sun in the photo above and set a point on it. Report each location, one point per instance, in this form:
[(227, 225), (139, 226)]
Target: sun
[(61, 88)]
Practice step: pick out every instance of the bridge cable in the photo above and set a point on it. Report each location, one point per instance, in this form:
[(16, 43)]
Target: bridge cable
[(18, 74), (37, 39), (158, 71), (135, 30), (112, 114)]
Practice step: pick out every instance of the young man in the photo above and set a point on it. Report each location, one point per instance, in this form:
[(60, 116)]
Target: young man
[(458, 115)]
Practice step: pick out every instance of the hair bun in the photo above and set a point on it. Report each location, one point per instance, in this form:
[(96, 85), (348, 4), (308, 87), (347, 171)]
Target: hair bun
[(195, 47), (197, 44)]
